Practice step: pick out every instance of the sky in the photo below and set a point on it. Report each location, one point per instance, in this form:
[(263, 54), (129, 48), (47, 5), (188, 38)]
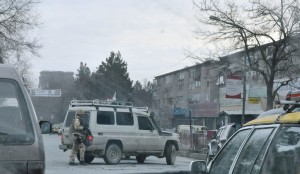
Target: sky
[(153, 36)]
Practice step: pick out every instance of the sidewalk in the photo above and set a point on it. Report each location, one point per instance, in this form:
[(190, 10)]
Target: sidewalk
[(191, 154)]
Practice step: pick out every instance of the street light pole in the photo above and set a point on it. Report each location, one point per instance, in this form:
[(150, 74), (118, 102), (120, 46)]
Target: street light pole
[(215, 18)]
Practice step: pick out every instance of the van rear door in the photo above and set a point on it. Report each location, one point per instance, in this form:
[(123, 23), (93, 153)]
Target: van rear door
[(66, 136)]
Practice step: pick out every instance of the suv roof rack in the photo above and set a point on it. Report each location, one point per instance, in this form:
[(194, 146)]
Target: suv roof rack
[(97, 102)]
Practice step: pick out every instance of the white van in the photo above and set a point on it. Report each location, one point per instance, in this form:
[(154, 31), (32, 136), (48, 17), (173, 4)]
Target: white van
[(22, 148)]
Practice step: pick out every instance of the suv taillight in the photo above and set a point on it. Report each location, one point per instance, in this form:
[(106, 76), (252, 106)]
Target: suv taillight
[(90, 137)]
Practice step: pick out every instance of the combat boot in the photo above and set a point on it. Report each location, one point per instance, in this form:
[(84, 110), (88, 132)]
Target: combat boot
[(72, 163), (83, 163)]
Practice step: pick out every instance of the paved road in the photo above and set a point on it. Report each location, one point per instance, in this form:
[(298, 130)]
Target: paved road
[(57, 162)]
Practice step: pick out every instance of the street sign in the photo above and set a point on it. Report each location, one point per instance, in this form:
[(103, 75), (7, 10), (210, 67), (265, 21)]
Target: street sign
[(45, 92), (254, 100)]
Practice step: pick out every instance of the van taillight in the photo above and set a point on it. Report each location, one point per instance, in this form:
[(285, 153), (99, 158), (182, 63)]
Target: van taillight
[(90, 137)]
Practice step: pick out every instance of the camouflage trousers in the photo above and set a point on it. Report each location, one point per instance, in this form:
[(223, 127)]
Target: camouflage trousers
[(77, 146)]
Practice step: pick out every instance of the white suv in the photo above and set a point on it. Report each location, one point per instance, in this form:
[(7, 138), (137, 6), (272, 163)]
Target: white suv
[(119, 129)]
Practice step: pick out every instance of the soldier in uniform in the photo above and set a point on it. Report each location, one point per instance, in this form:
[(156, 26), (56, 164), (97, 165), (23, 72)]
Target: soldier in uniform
[(78, 138)]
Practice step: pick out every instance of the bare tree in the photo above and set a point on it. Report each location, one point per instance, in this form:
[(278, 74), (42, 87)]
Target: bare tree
[(17, 18), (267, 32), (23, 67)]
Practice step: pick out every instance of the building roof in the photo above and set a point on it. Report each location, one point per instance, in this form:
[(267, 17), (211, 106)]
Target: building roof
[(290, 118), (186, 68)]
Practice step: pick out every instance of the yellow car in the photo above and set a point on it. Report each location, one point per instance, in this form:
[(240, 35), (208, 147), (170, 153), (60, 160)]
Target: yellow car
[(269, 144)]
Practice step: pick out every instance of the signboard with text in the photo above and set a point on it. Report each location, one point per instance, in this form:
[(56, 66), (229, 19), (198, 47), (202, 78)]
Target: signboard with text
[(234, 87), (45, 92)]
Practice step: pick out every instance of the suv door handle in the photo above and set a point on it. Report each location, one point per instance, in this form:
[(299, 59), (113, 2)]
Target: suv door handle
[(100, 133)]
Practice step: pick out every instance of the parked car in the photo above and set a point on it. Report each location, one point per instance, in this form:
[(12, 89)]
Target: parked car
[(266, 145), (195, 129), (223, 134), (22, 148), (118, 129)]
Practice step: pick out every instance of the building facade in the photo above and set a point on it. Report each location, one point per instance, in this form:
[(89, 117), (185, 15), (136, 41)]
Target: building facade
[(51, 108), (202, 90), (192, 90)]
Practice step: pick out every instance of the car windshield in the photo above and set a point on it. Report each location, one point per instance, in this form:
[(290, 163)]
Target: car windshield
[(15, 123), (151, 80)]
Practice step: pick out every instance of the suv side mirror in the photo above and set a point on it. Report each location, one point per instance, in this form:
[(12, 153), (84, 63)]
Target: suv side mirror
[(198, 167), (46, 127)]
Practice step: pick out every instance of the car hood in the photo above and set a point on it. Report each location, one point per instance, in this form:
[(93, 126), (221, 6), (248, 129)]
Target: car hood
[(164, 133)]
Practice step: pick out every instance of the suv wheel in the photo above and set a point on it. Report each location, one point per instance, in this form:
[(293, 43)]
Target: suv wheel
[(170, 154), (140, 158), (113, 154), (87, 158)]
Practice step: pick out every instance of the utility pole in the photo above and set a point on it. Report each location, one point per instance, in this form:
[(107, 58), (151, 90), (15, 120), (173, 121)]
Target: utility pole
[(191, 133)]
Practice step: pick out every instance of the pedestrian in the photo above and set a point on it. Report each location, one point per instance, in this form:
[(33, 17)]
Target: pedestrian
[(77, 129)]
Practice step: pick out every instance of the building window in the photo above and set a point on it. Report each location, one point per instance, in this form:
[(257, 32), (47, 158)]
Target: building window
[(181, 76), (180, 85), (168, 79), (192, 74), (192, 85), (221, 80), (179, 99)]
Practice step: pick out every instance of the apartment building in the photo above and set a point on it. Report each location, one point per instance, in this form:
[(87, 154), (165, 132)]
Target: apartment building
[(191, 90)]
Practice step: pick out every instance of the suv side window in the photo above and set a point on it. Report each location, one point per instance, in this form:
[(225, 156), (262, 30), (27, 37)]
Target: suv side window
[(144, 123), (221, 166), (105, 117), (70, 117), (284, 153), (251, 150), (124, 118)]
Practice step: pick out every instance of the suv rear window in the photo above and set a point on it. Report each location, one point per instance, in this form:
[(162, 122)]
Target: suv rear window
[(15, 122), (70, 117)]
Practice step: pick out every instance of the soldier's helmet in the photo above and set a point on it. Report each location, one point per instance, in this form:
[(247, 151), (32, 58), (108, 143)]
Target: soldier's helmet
[(80, 113)]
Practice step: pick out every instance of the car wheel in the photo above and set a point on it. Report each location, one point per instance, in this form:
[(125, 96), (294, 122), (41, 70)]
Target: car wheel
[(171, 154), (140, 158), (113, 154), (87, 158)]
